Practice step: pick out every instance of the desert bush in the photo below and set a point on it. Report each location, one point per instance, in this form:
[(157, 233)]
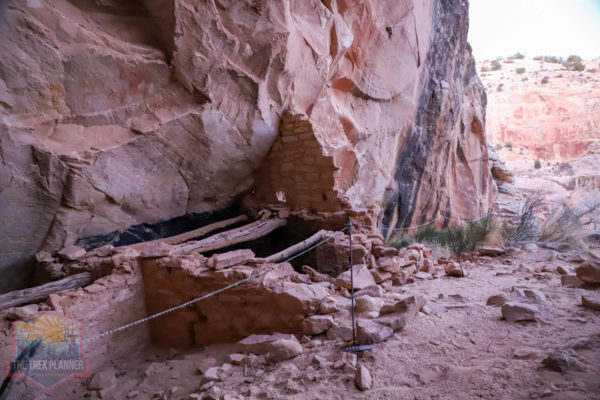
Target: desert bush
[(545, 80), (537, 164), (552, 59), (520, 70), (508, 145), (496, 65), (468, 237), (498, 147), (528, 227), (517, 56), (538, 58), (485, 68), (574, 63)]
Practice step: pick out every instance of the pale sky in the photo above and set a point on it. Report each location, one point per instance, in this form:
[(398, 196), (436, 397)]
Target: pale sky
[(500, 28)]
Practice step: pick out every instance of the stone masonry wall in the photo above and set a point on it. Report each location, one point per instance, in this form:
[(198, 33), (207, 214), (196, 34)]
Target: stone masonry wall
[(296, 173)]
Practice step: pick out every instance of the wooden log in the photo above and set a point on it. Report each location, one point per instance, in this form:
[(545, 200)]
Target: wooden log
[(297, 248), (184, 237), (245, 233), (40, 293)]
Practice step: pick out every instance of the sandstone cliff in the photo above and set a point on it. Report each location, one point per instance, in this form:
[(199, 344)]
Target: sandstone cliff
[(545, 112), (115, 113)]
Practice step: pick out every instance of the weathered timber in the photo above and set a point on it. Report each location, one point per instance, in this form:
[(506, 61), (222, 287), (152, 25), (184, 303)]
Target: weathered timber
[(40, 293), (245, 233), (184, 237), (297, 248)]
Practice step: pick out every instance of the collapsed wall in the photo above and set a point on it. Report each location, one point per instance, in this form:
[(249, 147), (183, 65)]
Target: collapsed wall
[(115, 114)]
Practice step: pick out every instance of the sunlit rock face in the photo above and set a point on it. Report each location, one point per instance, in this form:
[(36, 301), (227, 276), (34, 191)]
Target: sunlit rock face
[(547, 112), (116, 113)]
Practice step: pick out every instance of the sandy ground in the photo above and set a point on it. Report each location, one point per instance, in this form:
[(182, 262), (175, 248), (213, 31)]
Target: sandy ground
[(460, 349)]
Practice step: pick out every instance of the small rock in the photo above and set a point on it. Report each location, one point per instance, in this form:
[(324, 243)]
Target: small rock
[(205, 363), (214, 393), (43, 257), (589, 272), (515, 312), (368, 304), (373, 291), (103, 380), (453, 269), (317, 324), (349, 359), (559, 361), (363, 379), (362, 278), (72, 252), (570, 281), (211, 374), (380, 275), (320, 362), (15, 313), (491, 251), (343, 333), (534, 295), (370, 332), (422, 275), (411, 304), (235, 358), (591, 301), (328, 305), (562, 270), (283, 349), (496, 300), (133, 394)]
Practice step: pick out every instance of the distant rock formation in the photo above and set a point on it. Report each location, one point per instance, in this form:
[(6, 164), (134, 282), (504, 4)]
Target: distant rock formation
[(116, 113), (556, 120)]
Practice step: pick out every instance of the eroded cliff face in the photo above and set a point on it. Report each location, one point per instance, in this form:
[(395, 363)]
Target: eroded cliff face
[(114, 113), (546, 112)]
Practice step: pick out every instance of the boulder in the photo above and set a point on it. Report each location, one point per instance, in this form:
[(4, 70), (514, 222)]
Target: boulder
[(363, 379), (15, 313), (591, 301), (372, 290), (369, 332), (317, 324), (516, 312), (589, 272), (362, 278)]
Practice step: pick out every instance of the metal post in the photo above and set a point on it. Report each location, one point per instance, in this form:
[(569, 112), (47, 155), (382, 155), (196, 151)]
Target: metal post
[(352, 285)]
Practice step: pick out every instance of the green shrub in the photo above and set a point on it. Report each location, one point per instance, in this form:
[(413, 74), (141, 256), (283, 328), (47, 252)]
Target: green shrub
[(508, 145), (520, 70), (528, 227), (485, 68), (574, 63), (537, 164), (496, 65), (517, 56)]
